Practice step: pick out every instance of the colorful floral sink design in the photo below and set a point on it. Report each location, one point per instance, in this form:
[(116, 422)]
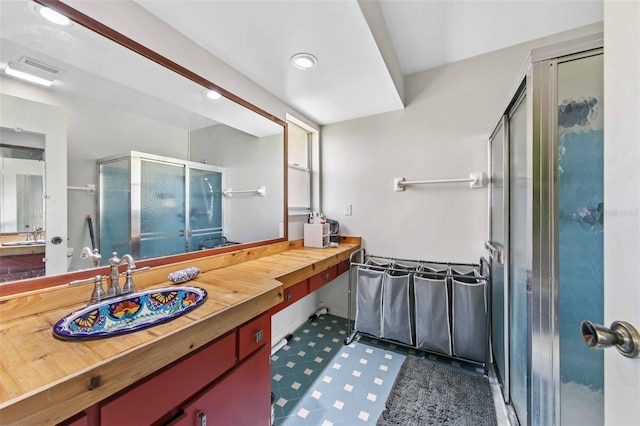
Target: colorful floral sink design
[(129, 313)]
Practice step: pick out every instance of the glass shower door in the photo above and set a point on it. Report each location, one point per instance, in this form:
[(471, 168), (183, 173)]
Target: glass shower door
[(162, 209), (580, 192), (114, 220), (520, 260), (205, 209)]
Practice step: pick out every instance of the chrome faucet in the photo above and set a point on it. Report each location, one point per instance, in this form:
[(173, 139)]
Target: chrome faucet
[(94, 255), (36, 234), (114, 286)]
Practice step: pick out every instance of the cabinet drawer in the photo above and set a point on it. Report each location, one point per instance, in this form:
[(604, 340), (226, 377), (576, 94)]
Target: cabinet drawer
[(253, 335), (343, 267), (149, 401), (318, 280), (292, 295)]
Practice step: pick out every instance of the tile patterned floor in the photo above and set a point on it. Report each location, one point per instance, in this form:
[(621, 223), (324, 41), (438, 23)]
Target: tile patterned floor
[(319, 381)]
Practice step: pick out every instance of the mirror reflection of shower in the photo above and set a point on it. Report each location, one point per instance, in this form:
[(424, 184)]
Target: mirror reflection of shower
[(208, 195)]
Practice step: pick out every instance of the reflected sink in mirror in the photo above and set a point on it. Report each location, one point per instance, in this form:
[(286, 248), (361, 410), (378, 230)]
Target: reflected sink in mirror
[(129, 313), (24, 243)]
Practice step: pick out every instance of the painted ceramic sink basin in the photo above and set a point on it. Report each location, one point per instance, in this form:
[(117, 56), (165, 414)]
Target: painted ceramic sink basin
[(129, 313)]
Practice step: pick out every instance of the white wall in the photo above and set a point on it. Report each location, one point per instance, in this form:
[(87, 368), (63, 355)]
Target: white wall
[(442, 133)]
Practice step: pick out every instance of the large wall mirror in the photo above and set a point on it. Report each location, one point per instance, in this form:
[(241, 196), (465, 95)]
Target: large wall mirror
[(136, 155)]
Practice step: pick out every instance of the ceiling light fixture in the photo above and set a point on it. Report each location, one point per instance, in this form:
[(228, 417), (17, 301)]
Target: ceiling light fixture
[(12, 70), (212, 94), (304, 61), (53, 16)]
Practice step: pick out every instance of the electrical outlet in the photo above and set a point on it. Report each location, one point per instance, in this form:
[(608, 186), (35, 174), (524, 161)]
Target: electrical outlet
[(347, 209)]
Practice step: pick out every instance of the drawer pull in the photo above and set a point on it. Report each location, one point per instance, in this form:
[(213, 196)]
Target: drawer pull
[(202, 417), (258, 335), (289, 296), (326, 276)]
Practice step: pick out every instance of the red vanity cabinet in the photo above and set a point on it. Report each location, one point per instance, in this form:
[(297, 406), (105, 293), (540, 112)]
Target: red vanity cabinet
[(229, 379), (153, 399), (243, 397)]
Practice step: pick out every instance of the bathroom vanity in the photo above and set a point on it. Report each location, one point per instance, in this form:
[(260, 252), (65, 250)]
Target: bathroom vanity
[(20, 258), (210, 365)]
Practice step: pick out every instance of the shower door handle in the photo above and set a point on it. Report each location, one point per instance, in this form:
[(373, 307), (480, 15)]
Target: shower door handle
[(621, 334)]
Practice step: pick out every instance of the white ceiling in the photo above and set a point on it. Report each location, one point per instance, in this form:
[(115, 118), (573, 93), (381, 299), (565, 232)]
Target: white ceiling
[(352, 78)]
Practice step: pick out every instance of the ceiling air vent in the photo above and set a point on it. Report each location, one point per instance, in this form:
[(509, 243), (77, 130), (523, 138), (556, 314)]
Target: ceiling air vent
[(40, 66)]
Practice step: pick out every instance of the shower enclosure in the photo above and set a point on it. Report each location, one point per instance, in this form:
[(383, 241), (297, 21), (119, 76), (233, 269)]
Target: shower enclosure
[(151, 206), (546, 237)]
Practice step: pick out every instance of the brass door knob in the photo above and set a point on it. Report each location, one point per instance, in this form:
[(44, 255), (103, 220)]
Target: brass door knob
[(621, 334)]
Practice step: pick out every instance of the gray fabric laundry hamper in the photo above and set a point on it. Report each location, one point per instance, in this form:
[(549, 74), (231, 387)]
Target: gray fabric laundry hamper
[(369, 299), (396, 307), (432, 316), (469, 318)]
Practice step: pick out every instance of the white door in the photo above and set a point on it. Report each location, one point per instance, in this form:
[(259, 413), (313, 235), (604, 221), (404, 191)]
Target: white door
[(622, 198)]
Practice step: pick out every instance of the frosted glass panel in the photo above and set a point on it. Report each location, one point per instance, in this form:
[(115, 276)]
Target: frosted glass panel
[(520, 260), (497, 238), (205, 208), (115, 205), (162, 213), (581, 196)]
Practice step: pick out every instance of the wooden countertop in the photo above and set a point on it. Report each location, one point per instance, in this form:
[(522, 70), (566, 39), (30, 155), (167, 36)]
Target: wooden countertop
[(45, 380)]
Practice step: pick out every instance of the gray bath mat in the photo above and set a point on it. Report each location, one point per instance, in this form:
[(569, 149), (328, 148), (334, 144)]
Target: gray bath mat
[(426, 393)]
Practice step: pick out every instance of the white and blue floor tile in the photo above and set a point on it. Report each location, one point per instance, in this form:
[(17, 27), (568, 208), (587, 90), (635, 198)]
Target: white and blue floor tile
[(317, 380)]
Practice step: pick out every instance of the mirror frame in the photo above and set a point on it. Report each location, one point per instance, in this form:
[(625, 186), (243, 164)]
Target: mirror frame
[(13, 287)]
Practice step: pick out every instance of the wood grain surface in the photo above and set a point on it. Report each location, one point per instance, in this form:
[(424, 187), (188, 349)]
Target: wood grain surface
[(44, 380)]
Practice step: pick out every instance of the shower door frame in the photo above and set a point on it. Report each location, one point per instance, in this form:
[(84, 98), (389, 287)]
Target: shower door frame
[(545, 332), (502, 126)]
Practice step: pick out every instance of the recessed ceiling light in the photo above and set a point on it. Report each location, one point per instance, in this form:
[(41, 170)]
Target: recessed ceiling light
[(212, 94), (304, 61), (12, 70), (53, 16)]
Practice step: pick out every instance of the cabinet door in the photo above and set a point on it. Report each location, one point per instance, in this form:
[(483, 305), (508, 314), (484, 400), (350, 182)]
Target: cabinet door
[(241, 398), (169, 388)]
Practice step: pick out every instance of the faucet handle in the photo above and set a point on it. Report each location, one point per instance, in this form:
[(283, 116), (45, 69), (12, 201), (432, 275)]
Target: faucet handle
[(129, 287), (98, 292)]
